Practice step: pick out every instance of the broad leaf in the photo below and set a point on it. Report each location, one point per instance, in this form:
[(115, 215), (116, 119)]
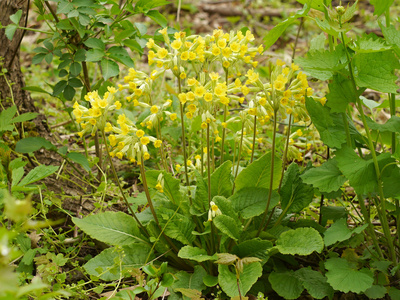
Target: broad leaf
[(341, 94), (368, 43), (258, 173), (95, 44), (392, 37), (346, 279), (323, 64), (252, 201), (37, 174), (376, 71), (227, 279), (32, 144), (110, 68), (115, 228), (274, 34), (200, 203), (193, 281), (195, 253), (103, 265), (6, 118), (286, 284), (295, 195), (157, 17), (361, 173), (329, 125), (300, 241), (179, 227), (221, 180), (253, 248), (316, 4), (339, 232), (79, 158), (326, 178), (171, 184), (228, 226), (381, 6), (315, 283), (391, 125)]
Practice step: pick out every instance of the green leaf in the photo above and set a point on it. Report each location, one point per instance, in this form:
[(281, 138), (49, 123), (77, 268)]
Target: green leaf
[(195, 253), (316, 4), (376, 71), (157, 17), (258, 173), (32, 144), (171, 184), (115, 228), (69, 92), (75, 69), (339, 232), (329, 125), (274, 34), (141, 27), (361, 173), (64, 25), (286, 284), (252, 201), (228, 283), (35, 89), (95, 44), (37, 174), (109, 68), (64, 7), (346, 279), (323, 64), (126, 60), (25, 117), (10, 31), (59, 87), (315, 283), (300, 241), (228, 226), (376, 292), (15, 18), (318, 43), (134, 256), (94, 55), (295, 195), (6, 117), (391, 125), (381, 6), (193, 281), (341, 93), (180, 228), (326, 178), (253, 248), (221, 184), (200, 202), (392, 37), (369, 43), (80, 159), (145, 5)]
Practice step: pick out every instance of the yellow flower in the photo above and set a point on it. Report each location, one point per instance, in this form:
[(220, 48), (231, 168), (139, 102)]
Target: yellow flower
[(322, 100), (150, 44), (279, 85), (189, 162), (215, 51), (144, 140), (208, 97), (120, 155), (182, 98), (162, 53), (185, 55), (221, 43), (191, 81), (280, 62), (177, 44), (235, 47), (146, 156), (163, 31), (124, 129), (226, 64), (204, 125), (284, 101), (102, 103), (182, 75), (159, 187), (113, 140), (154, 109), (139, 133), (224, 124), (224, 100), (218, 139), (238, 83), (245, 90), (117, 105), (189, 115), (93, 121), (190, 96), (173, 117), (192, 108), (214, 76), (199, 91), (295, 67), (299, 132), (192, 55), (108, 127)]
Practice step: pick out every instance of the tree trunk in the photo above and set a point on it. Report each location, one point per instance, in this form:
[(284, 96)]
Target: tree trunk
[(9, 50)]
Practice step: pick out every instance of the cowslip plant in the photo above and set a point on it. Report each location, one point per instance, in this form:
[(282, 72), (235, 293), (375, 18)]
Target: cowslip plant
[(215, 197)]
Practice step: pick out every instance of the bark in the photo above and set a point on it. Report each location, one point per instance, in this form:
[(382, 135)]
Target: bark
[(9, 50)]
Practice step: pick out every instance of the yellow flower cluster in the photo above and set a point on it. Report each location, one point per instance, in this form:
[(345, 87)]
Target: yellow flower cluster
[(94, 118), (129, 141)]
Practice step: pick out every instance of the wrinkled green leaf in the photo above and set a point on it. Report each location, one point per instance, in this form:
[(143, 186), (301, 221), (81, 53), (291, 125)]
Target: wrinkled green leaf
[(228, 226), (195, 253), (300, 241), (286, 284), (339, 232)]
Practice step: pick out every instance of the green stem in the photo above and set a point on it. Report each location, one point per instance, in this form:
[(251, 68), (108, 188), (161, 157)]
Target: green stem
[(382, 214), (120, 187), (285, 152), (346, 129), (254, 138), (370, 226), (208, 164), (223, 128), (271, 181), (238, 158), (184, 142)]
